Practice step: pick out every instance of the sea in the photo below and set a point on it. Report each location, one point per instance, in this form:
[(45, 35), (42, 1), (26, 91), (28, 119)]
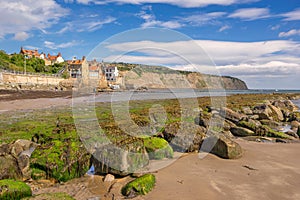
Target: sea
[(153, 94)]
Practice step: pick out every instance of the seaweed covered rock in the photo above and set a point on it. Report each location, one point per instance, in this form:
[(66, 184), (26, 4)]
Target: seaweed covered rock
[(231, 115), (12, 189), (14, 159), (122, 158), (52, 196), (184, 136), (61, 160), (241, 132), (139, 186), (9, 168), (222, 146), (158, 148)]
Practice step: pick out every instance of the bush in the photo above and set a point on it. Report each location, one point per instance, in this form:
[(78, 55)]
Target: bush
[(12, 189), (139, 186)]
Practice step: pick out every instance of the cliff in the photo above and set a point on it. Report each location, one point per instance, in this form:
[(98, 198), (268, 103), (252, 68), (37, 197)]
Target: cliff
[(161, 77)]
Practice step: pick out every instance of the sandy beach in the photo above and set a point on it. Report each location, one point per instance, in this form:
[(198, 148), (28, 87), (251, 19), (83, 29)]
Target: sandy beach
[(266, 171)]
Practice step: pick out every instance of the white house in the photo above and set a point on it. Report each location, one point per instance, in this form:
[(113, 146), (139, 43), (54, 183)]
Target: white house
[(111, 73)]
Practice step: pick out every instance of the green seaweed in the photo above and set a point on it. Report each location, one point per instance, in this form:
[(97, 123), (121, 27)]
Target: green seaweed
[(13, 190), (139, 186)]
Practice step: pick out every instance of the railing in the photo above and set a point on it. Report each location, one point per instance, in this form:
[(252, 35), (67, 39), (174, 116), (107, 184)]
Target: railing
[(58, 75)]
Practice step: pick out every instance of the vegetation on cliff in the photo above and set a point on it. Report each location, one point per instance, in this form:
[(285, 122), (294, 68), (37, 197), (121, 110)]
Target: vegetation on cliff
[(17, 62)]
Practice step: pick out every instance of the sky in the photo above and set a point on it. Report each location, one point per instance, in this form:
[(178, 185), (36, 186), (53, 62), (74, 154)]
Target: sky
[(257, 41)]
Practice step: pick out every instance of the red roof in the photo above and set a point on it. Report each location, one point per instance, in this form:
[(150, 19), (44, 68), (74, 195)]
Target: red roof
[(30, 52)]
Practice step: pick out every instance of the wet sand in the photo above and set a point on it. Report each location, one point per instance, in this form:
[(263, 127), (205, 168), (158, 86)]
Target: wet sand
[(266, 171)]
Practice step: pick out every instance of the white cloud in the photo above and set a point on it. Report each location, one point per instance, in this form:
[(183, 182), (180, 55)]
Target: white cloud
[(203, 19), (181, 3), (276, 27), (21, 36), (52, 45), (260, 64), (151, 21), (292, 16), (225, 27), (95, 25), (251, 13), (292, 32), (25, 15)]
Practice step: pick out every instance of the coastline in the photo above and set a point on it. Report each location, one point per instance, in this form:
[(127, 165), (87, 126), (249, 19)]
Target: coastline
[(30, 100)]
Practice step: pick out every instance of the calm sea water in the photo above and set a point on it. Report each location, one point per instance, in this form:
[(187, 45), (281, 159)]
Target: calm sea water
[(177, 93)]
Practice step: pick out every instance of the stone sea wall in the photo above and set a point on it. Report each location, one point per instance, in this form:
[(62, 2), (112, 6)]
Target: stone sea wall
[(28, 81)]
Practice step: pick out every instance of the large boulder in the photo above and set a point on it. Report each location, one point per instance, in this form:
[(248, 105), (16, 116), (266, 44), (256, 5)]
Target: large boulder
[(241, 132), (285, 105), (222, 146), (61, 160), (266, 131), (184, 136), (22, 150), (231, 115), (276, 113), (158, 148), (268, 111), (263, 111), (126, 157), (9, 168), (14, 159)]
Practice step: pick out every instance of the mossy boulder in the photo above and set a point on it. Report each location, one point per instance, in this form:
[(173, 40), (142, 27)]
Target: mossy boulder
[(122, 158), (61, 160), (184, 136), (9, 168), (37, 174), (222, 146), (13, 190), (139, 186), (50, 196), (265, 130), (249, 125), (158, 148)]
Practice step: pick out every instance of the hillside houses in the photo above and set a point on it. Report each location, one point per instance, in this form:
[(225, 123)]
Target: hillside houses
[(49, 59), (88, 72)]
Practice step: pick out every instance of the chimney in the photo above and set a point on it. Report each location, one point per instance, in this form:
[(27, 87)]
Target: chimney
[(59, 54), (83, 58)]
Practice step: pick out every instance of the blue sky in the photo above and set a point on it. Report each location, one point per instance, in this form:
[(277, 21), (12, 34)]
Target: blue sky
[(255, 40)]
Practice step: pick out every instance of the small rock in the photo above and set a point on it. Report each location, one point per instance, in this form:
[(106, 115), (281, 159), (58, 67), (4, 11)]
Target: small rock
[(278, 140), (109, 178)]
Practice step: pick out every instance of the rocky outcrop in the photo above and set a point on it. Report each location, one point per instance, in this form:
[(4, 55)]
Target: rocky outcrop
[(161, 77)]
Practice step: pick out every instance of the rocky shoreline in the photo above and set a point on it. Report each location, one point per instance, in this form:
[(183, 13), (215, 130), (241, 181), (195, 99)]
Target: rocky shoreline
[(56, 160)]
